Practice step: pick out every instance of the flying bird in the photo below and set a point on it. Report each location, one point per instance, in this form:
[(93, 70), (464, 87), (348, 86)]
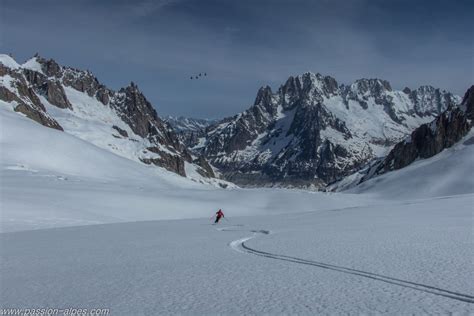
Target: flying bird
[(199, 75)]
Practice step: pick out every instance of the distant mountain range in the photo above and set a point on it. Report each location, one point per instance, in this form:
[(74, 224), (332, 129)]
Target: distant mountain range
[(187, 124), (312, 132)]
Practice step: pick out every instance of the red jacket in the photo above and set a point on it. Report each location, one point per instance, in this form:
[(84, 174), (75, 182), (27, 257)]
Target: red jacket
[(220, 213)]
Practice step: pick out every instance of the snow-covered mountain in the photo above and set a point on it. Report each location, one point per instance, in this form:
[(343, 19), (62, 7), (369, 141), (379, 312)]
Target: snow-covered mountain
[(73, 100), (309, 133), (448, 173), (190, 130), (313, 131), (429, 139), (187, 124)]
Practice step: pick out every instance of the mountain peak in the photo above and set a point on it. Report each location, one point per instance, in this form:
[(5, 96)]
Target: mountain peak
[(372, 86), (133, 87), (406, 90), (33, 64), (47, 66), (309, 83), (312, 77), (8, 61), (468, 103), (264, 95), (426, 87)]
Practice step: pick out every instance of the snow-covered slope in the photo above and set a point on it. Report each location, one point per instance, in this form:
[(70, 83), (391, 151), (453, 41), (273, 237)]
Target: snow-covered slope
[(450, 172), (123, 122), (397, 259), (32, 148), (50, 178), (313, 131)]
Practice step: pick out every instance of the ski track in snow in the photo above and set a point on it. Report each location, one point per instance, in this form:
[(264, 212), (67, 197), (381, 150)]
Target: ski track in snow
[(240, 246)]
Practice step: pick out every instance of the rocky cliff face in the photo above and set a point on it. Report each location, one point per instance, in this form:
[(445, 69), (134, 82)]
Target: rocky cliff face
[(16, 90), (74, 100), (312, 131), (467, 104)]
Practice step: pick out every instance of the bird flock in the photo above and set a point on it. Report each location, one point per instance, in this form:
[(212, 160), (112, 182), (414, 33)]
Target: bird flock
[(200, 75)]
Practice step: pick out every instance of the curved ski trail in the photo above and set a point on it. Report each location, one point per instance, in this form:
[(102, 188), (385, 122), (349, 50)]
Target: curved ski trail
[(240, 246)]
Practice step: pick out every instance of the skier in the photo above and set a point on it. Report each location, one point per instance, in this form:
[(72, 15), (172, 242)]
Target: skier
[(218, 215)]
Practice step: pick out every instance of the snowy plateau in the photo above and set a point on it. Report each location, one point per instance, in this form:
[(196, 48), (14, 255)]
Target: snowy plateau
[(86, 224)]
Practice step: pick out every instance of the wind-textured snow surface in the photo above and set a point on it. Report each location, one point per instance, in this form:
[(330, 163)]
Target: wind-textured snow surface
[(399, 258)]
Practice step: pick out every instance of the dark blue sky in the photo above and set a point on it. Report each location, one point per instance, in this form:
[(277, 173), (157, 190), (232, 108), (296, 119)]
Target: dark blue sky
[(243, 45)]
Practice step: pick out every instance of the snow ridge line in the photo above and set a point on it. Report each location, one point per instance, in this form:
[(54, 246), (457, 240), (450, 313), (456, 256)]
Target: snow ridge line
[(240, 246)]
